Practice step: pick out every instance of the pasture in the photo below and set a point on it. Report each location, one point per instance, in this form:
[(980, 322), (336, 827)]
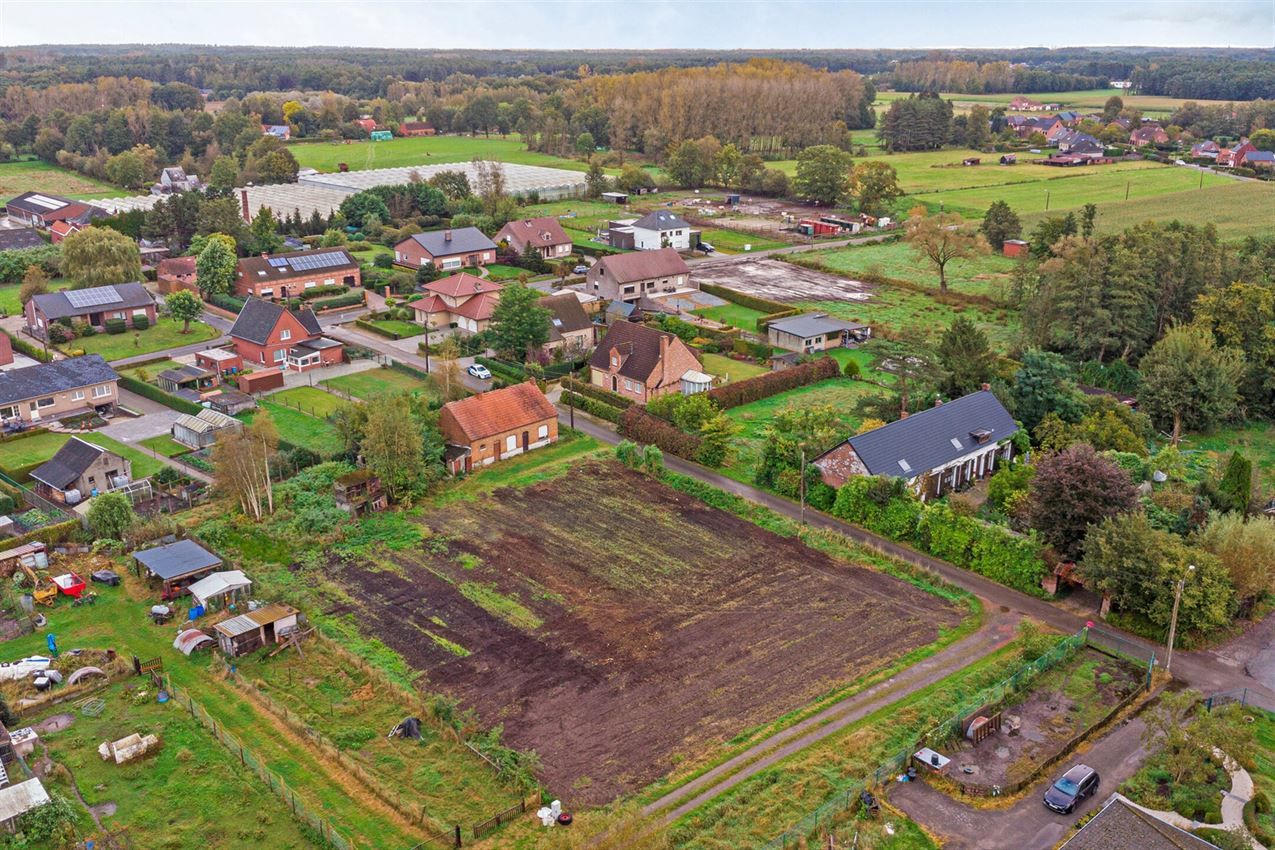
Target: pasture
[(311, 400), (11, 306), (985, 275), (37, 176), (423, 150), (1088, 100), (372, 382), (18, 457), (628, 625), (299, 429)]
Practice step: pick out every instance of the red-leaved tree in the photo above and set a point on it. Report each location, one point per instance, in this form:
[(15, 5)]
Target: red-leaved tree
[(1074, 489)]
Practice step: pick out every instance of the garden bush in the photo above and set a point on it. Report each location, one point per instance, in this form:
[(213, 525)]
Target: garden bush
[(638, 425), (227, 302), (743, 299), (115, 326), (141, 322), (773, 383), (593, 407), (598, 393), (29, 349), (154, 393), (511, 373), (349, 300)]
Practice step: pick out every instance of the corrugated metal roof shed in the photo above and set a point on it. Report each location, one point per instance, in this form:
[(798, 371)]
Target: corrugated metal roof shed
[(21, 798), (178, 559)]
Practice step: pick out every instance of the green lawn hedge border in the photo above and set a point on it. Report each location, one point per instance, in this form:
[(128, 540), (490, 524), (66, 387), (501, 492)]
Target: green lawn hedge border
[(154, 393)]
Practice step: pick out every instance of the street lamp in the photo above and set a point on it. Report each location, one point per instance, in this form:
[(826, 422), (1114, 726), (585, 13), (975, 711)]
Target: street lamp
[(1173, 622)]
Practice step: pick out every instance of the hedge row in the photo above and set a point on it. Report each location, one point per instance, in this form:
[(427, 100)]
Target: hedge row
[(642, 427), (558, 370), (591, 406), (510, 373), (227, 302), (883, 506), (371, 328), (59, 532), (598, 393), (773, 383), (154, 393), (597, 250), (743, 299), (353, 299), (399, 366), (323, 292), (29, 349)]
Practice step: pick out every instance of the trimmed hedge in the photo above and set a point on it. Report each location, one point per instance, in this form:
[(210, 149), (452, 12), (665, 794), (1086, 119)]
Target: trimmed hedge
[(642, 427), (29, 349), (115, 326), (510, 373), (154, 393), (773, 383), (559, 370), (350, 300), (591, 406), (743, 299), (141, 323), (323, 292), (59, 532), (371, 328), (227, 302), (598, 393)]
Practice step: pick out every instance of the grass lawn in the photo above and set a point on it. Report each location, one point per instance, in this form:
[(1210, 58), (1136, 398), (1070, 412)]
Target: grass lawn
[(164, 334), (865, 360), (735, 315), (733, 241), (370, 254), (424, 150), (9, 303), (398, 328), (37, 176), (841, 393), (985, 275), (19, 457), (191, 791), (147, 372), (1086, 100), (896, 307), (499, 272), (372, 382), (164, 445), (1236, 209), (1256, 441), (733, 370), (300, 429), (311, 400), (584, 215)]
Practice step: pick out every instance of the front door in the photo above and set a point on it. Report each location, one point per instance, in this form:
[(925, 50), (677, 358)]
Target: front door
[(525, 441), (615, 385)]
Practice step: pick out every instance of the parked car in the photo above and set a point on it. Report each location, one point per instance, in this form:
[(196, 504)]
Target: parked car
[(1179, 162), (580, 269), (107, 577), (479, 371), (1073, 787)]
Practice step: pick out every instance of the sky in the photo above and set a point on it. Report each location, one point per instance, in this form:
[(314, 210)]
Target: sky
[(718, 24)]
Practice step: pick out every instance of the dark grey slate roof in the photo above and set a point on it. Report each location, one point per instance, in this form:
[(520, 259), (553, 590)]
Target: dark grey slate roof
[(465, 240), (19, 239), (258, 317), (175, 560), (26, 203), (67, 464), (46, 378), (660, 220), (813, 324), (1119, 826), (56, 305), (933, 437)]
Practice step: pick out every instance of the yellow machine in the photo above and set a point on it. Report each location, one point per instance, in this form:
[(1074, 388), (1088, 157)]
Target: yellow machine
[(43, 590)]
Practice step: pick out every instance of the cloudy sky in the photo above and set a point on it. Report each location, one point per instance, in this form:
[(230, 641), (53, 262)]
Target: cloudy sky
[(747, 24)]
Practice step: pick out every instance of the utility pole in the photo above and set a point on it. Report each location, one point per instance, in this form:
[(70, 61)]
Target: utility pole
[(1173, 622), (802, 487), (571, 404)]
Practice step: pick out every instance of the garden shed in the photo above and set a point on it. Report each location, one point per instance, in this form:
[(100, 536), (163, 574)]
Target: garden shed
[(227, 583), (201, 430), (17, 800), (261, 380), (176, 565), (255, 629)]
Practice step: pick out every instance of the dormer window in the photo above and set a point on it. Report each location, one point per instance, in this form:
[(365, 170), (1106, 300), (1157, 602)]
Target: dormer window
[(981, 435), (615, 360)]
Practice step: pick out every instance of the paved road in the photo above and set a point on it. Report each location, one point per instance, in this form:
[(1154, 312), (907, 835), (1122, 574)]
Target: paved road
[(791, 249), (1027, 825), (405, 354)]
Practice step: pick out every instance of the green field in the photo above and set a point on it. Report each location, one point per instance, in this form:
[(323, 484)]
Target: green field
[(582, 215), (985, 275), (398, 328), (311, 400), (1088, 100), (18, 457), (1256, 441), (1236, 209), (164, 445), (897, 308), (1096, 184), (732, 370), (164, 334), (373, 382), (11, 306), (733, 241), (735, 315), (36, 176), (300, 429), (423, 150)]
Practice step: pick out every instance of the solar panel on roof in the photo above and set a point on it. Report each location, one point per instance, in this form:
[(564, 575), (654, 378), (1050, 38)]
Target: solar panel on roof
[(278, 262), (92, 297), (46, 202), (318, 261)]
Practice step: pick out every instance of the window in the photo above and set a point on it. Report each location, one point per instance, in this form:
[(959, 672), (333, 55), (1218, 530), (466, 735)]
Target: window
[(9, 412), (511, 443), (268, 292), (331, 281), (45, 402), (543, 432), (629, 290), (279, 355), (78, 395), (615, 361), (310, 284), (285, 335)]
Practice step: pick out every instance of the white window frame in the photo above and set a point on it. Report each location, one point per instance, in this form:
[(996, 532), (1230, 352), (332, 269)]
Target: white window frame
[(280, 355), (77, 395), (543, 432), (285, 335), (102, 391), (511, 442), (268, 292), (48, 401), (310, 284)]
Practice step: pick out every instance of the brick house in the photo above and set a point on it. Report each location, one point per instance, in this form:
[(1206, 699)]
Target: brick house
[(447, 249), (1234, 157), (570, 328), (1148, 134), (496, 425), (415, 128), (367, 124), (642, 363), (81, 469), (177, 273), (935, 451), (267, 334), (627, 277), (288, 275), (461, 302), (810, 333), (545, 233), (95, 306), (57, 390)]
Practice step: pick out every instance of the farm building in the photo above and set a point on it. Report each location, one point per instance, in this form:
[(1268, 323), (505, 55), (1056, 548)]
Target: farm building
[(42, 211), (20, 239), (550, 184), (641, 363), (225, 585), (415, 128), (255, 629), (58, 390), (359, 492), (1015, 248), (447, 249), (496, 425), (96, 306), (177, 273), (615, 197), (18, 799), (176, 565), (79, 470), (201, 430), (813, 332), (935, 451)]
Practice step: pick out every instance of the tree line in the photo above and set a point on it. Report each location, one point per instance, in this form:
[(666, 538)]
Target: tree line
[(973, 77)]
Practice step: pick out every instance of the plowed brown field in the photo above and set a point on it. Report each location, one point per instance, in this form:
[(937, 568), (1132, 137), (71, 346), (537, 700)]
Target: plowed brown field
[(610, 622)]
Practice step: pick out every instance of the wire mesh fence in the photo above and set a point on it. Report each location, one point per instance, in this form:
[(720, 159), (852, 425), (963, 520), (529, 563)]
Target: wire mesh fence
[(1243, 696)]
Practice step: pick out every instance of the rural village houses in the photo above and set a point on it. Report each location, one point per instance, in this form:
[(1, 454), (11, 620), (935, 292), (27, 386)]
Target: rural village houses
[(447, 249), (94, 306), (651, 232), (462, 302), (496, 425), (289, 275), (58, 390), (813, 332), (642, 363), (80, 470), (570, 328), (270, 335), (628, 277), (545, 234)]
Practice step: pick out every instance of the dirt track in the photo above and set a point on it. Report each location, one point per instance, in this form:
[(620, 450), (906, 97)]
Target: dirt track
[(781, 281), (665, 625)]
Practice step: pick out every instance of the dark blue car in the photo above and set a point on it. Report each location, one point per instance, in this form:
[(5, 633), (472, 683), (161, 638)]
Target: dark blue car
[(1075, 785)]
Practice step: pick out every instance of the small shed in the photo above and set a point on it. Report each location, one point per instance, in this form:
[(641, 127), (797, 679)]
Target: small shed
[(176, 565), (229, 401), (194, 379), (694, 381), (201, 430), (1015, 248), (17, 800), (255, 629), (381, 135), (190, 640), (261, 380), (225, 583), (222, 360), (615, 197), (359, 492)]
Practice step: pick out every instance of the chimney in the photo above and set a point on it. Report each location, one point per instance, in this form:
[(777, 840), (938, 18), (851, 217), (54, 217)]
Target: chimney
[(265, 253), (447, 236), (663, 357), (938, 402), (904, 415), (986, 387), (243, 205)]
